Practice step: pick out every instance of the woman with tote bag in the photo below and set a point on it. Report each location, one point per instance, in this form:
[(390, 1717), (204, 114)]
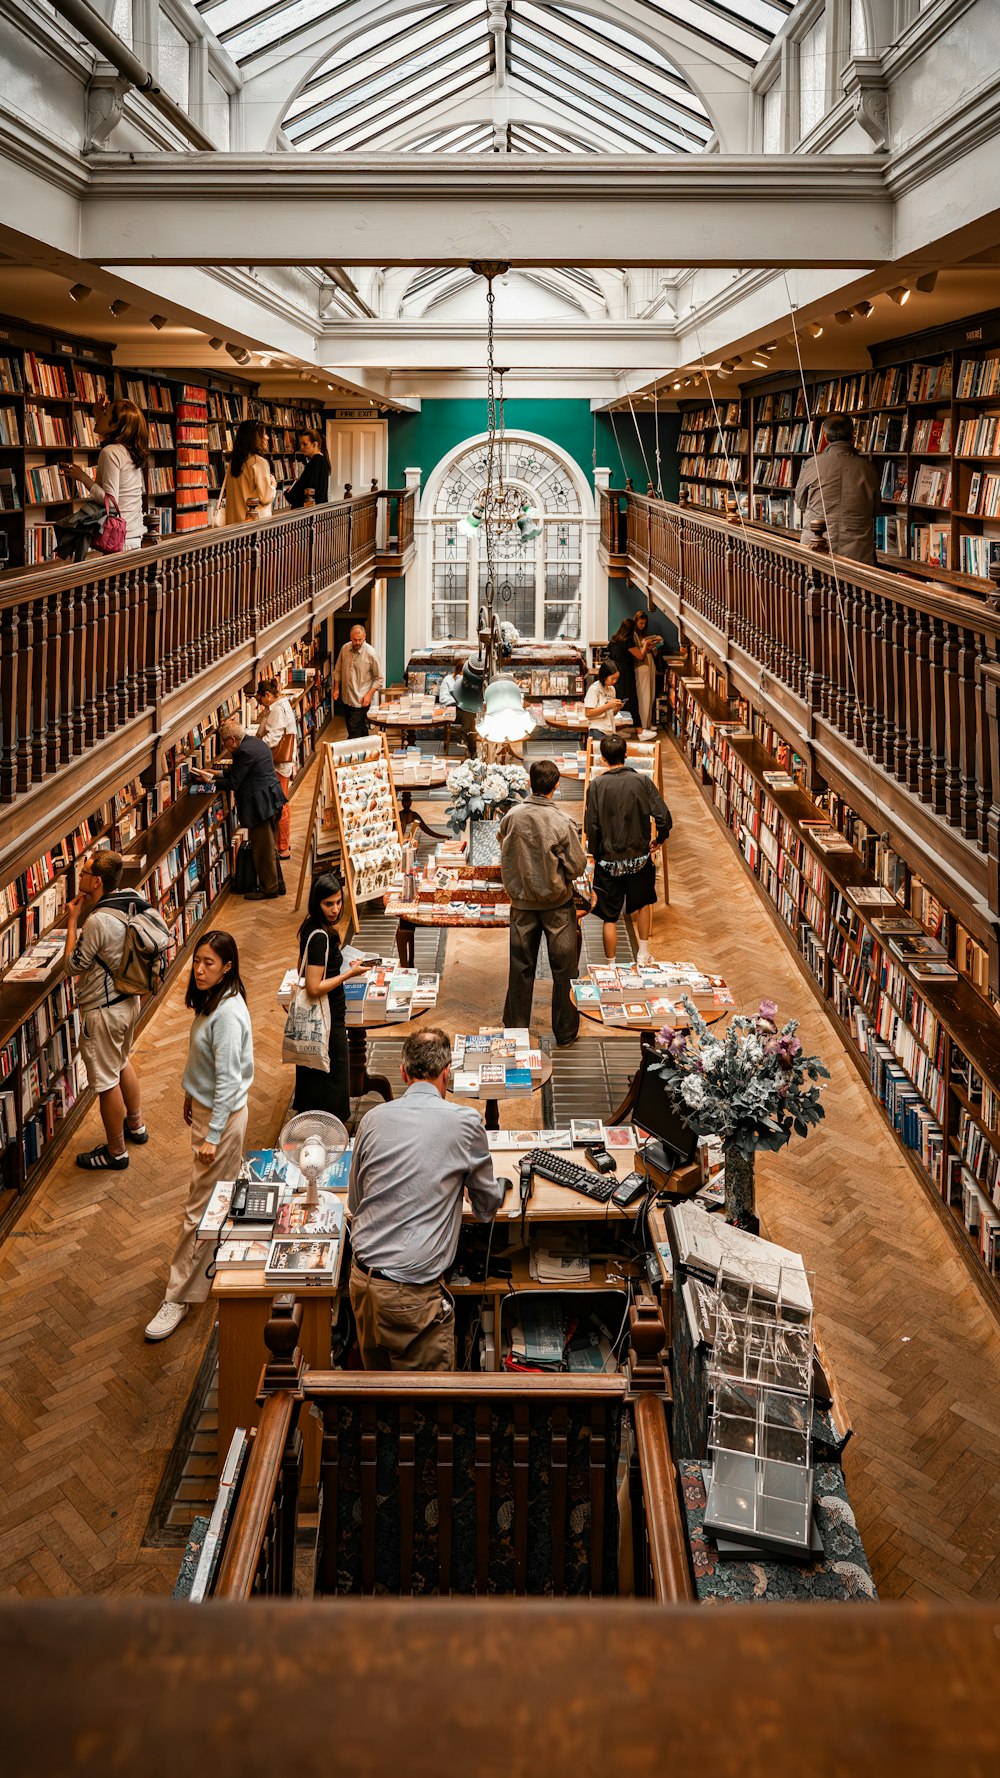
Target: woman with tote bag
[(321, 1001)]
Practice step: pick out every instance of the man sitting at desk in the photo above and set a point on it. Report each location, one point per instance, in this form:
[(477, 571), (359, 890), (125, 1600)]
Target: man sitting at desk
[(413, 1161)]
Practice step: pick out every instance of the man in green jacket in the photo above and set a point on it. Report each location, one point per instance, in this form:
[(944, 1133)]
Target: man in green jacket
[(541, 854)]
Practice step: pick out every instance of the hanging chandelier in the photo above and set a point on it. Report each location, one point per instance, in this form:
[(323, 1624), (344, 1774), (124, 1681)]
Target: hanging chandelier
[(499, 510)]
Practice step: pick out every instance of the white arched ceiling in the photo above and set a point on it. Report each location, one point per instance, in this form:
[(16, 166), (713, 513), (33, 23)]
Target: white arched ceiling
[(330, 72)]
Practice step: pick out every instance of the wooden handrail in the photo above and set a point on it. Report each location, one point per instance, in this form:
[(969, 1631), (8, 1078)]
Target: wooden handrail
[(665, 1527), (458, 1385), (251, 1520), (888, 685)]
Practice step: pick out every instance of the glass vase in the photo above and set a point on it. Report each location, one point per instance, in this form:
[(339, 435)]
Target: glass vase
[(740, 1207)]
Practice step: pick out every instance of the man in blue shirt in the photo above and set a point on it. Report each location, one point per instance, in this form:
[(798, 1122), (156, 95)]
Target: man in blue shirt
[(414, 1159)]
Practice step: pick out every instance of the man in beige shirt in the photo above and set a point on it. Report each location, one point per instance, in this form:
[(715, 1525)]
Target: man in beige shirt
[(356, 678)]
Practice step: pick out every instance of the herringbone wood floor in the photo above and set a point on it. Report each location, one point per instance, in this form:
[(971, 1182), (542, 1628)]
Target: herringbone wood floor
[(89, 1412)]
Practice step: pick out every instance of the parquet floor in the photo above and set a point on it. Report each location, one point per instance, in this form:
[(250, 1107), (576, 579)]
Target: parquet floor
[(89, 1412)]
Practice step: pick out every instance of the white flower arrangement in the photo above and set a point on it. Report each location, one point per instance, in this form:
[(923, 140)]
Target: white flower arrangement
[(510, 636), (478, 791)]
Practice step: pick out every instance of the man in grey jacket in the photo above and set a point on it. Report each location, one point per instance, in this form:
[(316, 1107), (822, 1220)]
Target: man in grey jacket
[(541, 854), (838, 495)]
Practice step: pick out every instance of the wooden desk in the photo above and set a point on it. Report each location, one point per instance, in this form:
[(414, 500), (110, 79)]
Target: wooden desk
[(243, 1303)]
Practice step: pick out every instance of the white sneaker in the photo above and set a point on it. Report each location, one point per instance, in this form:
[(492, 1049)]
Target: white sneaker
[(167, 1319), (644, 955)]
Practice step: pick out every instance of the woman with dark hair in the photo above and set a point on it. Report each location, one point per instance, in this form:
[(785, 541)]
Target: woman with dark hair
[(601, 702), (631, 648), (321, 963), (312, 488), (250, 487), (121, 464), (277, 728), (217, 1081)]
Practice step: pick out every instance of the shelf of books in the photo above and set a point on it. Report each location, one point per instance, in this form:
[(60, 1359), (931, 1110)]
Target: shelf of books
[(179, 847), (713, 452), (156, 397), (930, 423), (905, 982), (48, 391)]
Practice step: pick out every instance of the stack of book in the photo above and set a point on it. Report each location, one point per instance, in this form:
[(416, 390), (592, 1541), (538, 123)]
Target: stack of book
[(649, 995), (495, 1064), (388, 994)]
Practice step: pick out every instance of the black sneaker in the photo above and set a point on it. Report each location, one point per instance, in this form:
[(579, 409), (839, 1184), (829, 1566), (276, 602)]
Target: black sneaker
[(100, 1159), (138, 1136)]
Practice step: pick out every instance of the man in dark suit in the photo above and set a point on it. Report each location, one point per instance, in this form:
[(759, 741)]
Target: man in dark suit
[(252, 778)]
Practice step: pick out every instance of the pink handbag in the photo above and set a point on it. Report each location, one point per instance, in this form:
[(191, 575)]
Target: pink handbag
[(111, 537)]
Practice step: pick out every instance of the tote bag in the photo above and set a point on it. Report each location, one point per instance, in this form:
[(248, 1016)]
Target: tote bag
[(306, 1041)]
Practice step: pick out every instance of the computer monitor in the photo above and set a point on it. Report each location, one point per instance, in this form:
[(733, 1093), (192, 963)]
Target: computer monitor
[(674, 1141)]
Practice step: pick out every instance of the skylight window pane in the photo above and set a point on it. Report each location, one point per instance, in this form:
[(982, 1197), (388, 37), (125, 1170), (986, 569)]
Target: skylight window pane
[(173, 61), (396, 46), (402, 77), (749, 44), (812, 77), (275, 26), (772, 119)]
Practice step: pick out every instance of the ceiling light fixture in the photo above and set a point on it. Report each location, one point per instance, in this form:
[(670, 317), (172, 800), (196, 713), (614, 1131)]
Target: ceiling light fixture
[(864, 309), (899, 294), (119, 306), (240, 353), (727, 365), (157, 321), (770, 346), (761, 359), (814, 330), (79, 293), (677, 385), (926, 282), (216, 344), (844, 317)]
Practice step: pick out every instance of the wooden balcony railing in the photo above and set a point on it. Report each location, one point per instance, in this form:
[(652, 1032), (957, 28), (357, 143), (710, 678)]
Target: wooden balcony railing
[(888, 684), (397, 507), (115, 652)]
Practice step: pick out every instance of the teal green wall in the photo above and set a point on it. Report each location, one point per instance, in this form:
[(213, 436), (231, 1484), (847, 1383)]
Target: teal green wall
[(421, 440)]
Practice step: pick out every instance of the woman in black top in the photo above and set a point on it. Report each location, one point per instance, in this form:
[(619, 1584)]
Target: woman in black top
[(321, 961), (315, 475)]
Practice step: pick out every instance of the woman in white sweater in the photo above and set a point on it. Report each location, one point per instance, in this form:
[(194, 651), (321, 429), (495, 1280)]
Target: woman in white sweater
[(217, 1082), (121, 464)]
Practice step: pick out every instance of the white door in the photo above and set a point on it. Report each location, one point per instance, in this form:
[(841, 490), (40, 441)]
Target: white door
[(357, 450)]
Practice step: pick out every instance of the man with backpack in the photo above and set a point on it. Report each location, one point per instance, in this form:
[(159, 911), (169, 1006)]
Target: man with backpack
[(115, 946)]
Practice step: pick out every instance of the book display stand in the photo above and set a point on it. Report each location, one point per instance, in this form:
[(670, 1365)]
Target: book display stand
[(355, 799)]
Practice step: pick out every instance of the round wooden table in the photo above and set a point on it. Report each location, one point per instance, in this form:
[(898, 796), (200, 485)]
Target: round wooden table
[(645, 1033), (491, 1096), (360, 1081), (404, 791), (385, 716)]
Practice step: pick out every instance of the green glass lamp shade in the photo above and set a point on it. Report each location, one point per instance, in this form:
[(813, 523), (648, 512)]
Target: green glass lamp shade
[(528, 525), (468, 693), (472, 522), (505, 718)]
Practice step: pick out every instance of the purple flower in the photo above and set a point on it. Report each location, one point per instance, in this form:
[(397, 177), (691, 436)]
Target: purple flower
[(768, 1009), (787, 1048)]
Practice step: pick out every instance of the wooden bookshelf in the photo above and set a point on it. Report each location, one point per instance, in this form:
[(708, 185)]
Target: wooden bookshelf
[(49, 388), (927, 414), (285, 421), (179, 848), (929, 1052)]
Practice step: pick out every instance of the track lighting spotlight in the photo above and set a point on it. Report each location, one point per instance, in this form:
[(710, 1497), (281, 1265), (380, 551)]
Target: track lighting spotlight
[(157, 321), (240, 353), (79, 293), (736, 361), (926, 282), (119, 306), (761, 359), (844, 317), (770, 346), (677, 385), (814, 330), (727, 365), (864, 309), (216, 344), (899, 294)]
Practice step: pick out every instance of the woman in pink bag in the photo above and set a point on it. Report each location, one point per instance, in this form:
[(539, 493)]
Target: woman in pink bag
[(120, 466)]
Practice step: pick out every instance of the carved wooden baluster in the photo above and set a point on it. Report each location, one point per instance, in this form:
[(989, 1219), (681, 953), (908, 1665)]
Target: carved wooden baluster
[(133, 603), (54, 708), (877, 680), (921, 728), (23, 695), (953, 726), (970, 792), (39, 688), (153, 630), (937, 716), (839, 633), (8, 696), (989, 769), (116, 697), (902, 643), (88, 598)]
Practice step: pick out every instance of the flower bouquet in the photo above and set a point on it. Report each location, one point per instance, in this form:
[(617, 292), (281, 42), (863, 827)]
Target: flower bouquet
[(510, 636), (753, 1088), (481, 791)]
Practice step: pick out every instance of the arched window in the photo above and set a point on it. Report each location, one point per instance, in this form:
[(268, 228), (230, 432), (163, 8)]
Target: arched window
[(538, 581)]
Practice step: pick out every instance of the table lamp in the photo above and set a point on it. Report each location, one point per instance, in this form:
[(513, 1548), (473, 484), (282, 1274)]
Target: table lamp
[(313, 1141), (505, 718)]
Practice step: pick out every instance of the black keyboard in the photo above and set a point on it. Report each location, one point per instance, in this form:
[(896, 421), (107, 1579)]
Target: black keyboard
[(548, 1165)]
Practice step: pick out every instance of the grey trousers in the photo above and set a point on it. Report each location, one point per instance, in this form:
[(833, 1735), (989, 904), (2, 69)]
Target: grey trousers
[(526, 928)]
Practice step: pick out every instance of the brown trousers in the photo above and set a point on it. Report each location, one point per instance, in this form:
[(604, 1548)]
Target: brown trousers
[(188, 1281), (402, 1327)]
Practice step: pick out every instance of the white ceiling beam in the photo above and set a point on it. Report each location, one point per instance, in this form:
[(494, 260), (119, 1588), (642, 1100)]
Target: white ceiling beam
[(669, 210), (575, 344)]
